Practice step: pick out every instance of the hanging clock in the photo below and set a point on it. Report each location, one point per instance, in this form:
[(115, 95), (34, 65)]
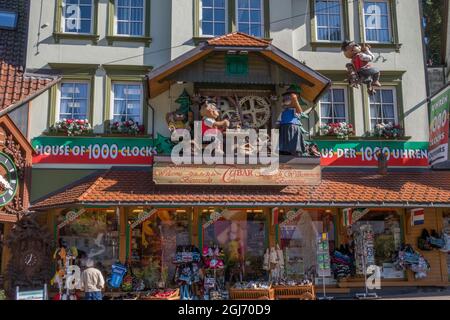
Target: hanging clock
[(8, 179)]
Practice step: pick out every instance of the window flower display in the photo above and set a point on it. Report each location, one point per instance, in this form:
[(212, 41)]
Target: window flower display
[(127, 127), (72, 127), (341, 130), (388, 130)]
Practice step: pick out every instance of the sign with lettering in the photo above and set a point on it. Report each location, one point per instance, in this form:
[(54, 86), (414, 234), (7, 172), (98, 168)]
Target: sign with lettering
[(70, 217), (439, 127), (291, 216), (145, 215), (355, 153), (93, 150), (215, 216), (168, 173)]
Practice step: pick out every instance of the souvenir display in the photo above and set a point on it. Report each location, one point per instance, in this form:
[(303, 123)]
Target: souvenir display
[(341, 263), (188, 274), (214, 280), (364, 248), (66, 278), (408, 258), (429, 241), (117, 274), (360, 71), (274, 263), (253, 285)]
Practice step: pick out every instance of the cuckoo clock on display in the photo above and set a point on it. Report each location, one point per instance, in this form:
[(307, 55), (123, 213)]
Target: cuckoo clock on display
[(31, 246), (15, 170)]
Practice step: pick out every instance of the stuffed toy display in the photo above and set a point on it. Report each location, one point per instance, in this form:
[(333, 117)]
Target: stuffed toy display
[(289, 122), (183, 117), (360, 70)]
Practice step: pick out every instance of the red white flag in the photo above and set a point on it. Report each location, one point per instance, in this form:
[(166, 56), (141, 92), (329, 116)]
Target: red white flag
[(275, 216)]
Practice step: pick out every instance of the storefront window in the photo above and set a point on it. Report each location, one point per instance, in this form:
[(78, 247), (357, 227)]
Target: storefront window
[(446, 229), (242, 235), (380, 233), (298, 232), (154, 244), (95, 234)]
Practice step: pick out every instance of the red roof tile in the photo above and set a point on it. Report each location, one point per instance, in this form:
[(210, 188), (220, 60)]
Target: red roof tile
[(15, 85), (238, 39), (337, 188)]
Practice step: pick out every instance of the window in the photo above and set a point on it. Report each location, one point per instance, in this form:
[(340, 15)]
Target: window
[(77, 16), (213, 17), (154, 244), (127, 102), (96, 235), (328, 20), (74, 100), (130, 18), (383, 107), (380, 233), (242, 234), (333, 106), (298, 231), (250, 17), (8, 19), (377, 26)]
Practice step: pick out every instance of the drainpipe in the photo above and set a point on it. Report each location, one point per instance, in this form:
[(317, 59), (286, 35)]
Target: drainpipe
[(153, 118)]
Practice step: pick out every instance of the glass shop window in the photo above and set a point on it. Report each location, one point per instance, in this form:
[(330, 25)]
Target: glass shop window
[(154, 244), (298, 232), (446, 229), (380, 232), (96, 235), (243, 237)]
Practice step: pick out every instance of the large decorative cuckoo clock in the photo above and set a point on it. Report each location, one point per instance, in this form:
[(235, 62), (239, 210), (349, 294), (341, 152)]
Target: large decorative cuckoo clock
[(8, 179)]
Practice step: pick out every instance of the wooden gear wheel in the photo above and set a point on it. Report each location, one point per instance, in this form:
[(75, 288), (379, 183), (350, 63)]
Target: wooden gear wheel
[(255, 112)]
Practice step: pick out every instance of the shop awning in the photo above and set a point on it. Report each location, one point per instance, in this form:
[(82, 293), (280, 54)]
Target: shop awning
[(123, 187), (284, 69)]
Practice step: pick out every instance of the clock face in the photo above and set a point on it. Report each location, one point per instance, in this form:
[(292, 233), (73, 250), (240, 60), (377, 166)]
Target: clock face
[(30, 259), (8, 179)]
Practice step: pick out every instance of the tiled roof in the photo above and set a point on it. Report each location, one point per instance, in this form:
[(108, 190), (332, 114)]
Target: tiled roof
[(337, 188), (238, 39), (15, 84)]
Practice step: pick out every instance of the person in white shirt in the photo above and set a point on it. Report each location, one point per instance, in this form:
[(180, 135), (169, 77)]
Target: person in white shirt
[(92, 281)]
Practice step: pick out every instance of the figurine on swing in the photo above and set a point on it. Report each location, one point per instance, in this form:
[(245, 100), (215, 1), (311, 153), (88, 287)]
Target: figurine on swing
[(360, 71)]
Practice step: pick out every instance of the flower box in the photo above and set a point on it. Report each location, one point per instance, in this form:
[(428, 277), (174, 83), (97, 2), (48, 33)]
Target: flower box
[(128, 127), (388, 131), (71, 127), (339, 130)]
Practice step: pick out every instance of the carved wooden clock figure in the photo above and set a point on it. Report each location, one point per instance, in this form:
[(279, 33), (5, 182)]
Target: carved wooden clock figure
[(8, 179)]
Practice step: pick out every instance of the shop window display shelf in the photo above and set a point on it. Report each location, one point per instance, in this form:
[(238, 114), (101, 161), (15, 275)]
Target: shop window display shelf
[(304, 292), (252, 294)]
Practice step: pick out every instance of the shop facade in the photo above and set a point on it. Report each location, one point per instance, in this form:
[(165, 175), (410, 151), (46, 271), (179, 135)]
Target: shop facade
[(147, 227)]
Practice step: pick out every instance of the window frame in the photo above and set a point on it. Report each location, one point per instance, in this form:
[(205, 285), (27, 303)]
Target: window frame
[(262, 25), (141, 102), (394, 43), (389, 21), (200, 15), (63, 20), (346, 104), (116, 21), (111, 35), (342, 27), (395, 103), (231, 20), (345, 27), (59, 93), (59, 33)]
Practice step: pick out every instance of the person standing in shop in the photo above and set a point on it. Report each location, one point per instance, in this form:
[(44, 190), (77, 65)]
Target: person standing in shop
[(92, 281)]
